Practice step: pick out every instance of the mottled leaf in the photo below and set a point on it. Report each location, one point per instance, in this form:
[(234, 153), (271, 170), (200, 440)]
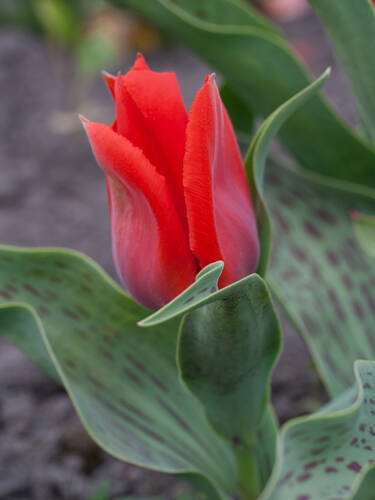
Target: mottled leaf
[(366, 486), (203, 290), (319, 271), (364, 229), (229, 343), (327, 456), (122, 379)]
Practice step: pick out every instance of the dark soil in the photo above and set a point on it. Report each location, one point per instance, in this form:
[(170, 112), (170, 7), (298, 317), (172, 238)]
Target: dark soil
[(52, 193)]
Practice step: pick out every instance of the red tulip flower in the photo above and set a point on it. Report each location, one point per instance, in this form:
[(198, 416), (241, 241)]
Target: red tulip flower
[(177, 189)]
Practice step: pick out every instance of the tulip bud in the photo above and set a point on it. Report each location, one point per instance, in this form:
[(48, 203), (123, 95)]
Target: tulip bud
[(177, 188)]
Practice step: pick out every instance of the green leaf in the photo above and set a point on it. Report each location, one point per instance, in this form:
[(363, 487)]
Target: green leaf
[(256, 158), (20, 14), (204, 290), (366, 486), (351, 26), (59, 20), (101, 492), (364, 228), (226, 354), (318, 270), (234, 389), (122, 379), (227, 350), (20, 324), (240, 114), (95, 51), (327, 456), (261, 69)]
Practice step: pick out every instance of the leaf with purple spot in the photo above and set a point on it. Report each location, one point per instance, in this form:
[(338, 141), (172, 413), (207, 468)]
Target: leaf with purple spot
[(364, 229), (202, 291), (326, 456), (318, 269), (78, 325)]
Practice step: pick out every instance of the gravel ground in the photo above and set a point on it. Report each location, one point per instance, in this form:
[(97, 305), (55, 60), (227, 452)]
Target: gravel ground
[(52, 193)]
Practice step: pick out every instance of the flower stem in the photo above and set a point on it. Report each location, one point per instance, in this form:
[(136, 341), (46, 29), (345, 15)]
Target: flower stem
[(247, 469)]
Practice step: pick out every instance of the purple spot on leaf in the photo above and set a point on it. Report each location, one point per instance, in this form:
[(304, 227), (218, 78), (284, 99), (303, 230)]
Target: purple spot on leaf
[(330, 470), (304, 477), (354, 466), (332, 258), (347, 282), (326, 217), (299, 254), (336, 304), (322, 439), (358, 311), (311, 465), (312, 230), (285, 478)]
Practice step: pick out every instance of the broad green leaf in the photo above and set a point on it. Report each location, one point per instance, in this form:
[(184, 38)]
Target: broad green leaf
[(366, 486), (351, 26), (318, 269), (256, 159), (240, 114), (220, 12), (58, 19), (226, 353), (20, 324), (122, 379), (364, 228), (19, 14), (265, 446), (238, 319), (327, 456), (260, 68)]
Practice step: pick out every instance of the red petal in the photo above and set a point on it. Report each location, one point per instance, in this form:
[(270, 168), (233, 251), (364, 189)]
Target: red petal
[(110, 80), (150, 248), (220, 213), (150, 112), (140, 63)]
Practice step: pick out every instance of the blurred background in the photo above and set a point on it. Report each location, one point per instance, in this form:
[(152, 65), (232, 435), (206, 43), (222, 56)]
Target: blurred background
[(53, 194)]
